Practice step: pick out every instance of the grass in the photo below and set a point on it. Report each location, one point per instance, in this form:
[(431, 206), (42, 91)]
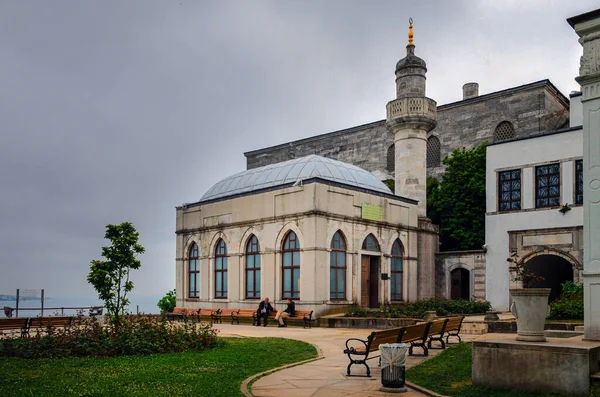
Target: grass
[(449, 374), (216, 372)]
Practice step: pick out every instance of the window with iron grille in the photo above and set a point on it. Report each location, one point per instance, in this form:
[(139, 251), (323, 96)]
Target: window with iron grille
[(291, 267), (194, 272), (396, 270), (221, 270), (509, 190), (504, 131), (253, 269), (337, 267), (579, 182), (547, 186), (391, 158), (433, 152)]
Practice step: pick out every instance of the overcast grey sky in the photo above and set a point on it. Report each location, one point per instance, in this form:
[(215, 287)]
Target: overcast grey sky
[(121, 110)]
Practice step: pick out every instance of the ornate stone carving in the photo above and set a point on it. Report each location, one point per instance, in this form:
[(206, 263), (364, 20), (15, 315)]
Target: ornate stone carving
[(590, 60)]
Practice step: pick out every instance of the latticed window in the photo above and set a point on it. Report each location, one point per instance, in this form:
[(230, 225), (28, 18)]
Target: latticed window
[(396, 270), (509, 190), (221, 270), (391, 158), (291, 267), (579, 182), (547, 186), (253, 269), (370, 243), (337, 267), (194, 272), (433, 152), (504, 131)]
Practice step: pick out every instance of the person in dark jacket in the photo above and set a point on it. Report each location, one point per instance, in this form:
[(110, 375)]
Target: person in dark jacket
[(289, 311), (264, 308)]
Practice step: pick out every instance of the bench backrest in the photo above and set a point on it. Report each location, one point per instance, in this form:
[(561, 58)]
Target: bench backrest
[(206, 312), (437, 327), (13, 323), (385, 336), (454, 323), (44, 322), (183, 310), (302, 313), (416, 332), (227, 312), (246, 312)]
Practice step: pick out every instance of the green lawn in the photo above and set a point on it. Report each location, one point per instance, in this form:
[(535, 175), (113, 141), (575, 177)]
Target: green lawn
[(449, 374), (216, 372)]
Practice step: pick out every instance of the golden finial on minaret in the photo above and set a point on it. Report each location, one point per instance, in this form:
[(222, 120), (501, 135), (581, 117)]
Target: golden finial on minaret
[(410, 32)]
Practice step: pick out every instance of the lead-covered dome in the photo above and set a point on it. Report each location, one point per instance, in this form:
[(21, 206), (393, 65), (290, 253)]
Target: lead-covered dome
[(292, 171)]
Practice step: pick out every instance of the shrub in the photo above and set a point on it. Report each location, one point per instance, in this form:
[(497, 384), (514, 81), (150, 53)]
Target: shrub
[(135, 335), (442, 307), (569, 306), (168, 302)]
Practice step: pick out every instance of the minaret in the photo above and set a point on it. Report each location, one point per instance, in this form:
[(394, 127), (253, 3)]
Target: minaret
[(410, 117)]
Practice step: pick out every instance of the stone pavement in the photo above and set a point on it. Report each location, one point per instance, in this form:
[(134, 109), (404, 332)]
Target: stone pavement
[(325, 377)]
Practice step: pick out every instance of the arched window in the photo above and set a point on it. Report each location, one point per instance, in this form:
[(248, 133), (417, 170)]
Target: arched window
[(221, 270), (504, 131), (194, 272), (337, 267), (253, 269), (291, 267), (433, 152), (370, 243), (396, 270), (391, 158)]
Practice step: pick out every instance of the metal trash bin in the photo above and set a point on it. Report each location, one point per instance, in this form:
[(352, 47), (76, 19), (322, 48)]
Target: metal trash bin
[(393, 366)]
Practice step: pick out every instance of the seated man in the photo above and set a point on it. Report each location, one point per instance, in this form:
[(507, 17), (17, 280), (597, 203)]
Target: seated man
[(289, 311), (264, 308)]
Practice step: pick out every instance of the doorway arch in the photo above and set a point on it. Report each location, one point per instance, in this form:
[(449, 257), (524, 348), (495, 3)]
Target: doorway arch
[(460, 284), (554, 269), (369, 273)]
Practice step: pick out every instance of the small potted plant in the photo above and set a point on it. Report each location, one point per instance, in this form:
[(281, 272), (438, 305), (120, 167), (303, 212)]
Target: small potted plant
[(530, 305)]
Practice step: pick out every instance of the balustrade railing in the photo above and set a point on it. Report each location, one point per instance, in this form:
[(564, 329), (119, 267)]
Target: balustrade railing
[(411, 107)]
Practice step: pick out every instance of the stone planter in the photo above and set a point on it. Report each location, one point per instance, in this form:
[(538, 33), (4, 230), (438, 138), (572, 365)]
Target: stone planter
[(530, 308)]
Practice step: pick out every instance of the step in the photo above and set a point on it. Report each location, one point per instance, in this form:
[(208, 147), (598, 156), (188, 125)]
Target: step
[(595, 378), (579, 328)]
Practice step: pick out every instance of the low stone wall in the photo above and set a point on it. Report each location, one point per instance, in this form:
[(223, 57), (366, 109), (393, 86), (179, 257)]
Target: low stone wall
[(366, 322)]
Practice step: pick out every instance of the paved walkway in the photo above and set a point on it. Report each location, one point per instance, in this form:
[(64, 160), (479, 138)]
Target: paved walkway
[(320, 378)]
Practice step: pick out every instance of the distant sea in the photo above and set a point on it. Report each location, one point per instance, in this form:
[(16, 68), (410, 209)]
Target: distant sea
[(145, 304)]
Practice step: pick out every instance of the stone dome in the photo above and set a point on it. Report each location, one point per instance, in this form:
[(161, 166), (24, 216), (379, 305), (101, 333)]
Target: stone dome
[(410, 60), (292, 171)]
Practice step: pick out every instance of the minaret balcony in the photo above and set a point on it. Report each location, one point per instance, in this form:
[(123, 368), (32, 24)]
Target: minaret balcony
[(410, 108)]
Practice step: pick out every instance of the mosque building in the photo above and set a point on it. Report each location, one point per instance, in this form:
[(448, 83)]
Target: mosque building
[(311, 220)]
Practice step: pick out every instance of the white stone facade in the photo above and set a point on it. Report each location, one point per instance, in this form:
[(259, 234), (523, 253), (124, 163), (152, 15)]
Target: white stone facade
[(315, 212), (534, 230)]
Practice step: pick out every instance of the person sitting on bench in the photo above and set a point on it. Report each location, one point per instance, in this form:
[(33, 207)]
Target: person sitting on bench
[(290, 311), (264, 308)]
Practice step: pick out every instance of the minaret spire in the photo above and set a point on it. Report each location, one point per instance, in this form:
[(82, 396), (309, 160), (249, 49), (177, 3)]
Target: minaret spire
[(410, 32)]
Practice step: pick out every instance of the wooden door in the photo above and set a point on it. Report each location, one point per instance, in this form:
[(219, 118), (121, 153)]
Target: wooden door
[(374, 282), (364, 281)]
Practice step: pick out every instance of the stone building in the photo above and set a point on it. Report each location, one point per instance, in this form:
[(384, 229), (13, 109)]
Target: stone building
[(329, 210)]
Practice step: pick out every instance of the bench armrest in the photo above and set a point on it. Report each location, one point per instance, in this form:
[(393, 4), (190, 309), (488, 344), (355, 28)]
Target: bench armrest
[(352, 349)]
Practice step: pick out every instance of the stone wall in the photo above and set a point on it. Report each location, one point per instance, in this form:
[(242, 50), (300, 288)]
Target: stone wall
[(473, 261), (530, 108)]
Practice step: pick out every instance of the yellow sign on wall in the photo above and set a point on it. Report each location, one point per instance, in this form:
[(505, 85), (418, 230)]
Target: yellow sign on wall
[(372, 212)]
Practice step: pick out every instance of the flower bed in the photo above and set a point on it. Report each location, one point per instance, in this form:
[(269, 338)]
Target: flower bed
[(442, 307), (136, 335)]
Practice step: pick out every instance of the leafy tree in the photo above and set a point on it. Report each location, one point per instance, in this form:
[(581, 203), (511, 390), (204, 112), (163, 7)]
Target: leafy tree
[(111, 276), (391, 184), (167, 303), (459, 200)]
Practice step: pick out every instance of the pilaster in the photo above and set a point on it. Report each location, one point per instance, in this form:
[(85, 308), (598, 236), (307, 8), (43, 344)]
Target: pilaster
[(587, 27)]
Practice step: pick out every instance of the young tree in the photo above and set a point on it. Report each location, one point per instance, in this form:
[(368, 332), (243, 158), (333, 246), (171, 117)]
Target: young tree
[(168, 302), (459, 201), (111, 276)]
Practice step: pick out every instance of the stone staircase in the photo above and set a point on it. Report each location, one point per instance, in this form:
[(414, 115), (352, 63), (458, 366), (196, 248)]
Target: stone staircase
[(595, 378)]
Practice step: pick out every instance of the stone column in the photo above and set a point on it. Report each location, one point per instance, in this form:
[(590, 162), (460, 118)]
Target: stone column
[(587, 27)]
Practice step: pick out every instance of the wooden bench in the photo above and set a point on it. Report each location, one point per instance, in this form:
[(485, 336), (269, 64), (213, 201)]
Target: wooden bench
[(453, 328), (44, 323), (180, 314), (15, 324), (417, 336), (245, 313), (217, 316), (360, 354), (436, 333), (301, 315)]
